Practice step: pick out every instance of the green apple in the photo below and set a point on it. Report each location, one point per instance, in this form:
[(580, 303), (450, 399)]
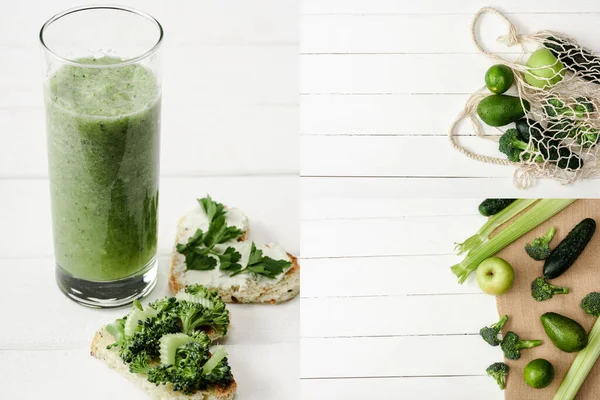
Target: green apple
[(543, 64), (495, 276)]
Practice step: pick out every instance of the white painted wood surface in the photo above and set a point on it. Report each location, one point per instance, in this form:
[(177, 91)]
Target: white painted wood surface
[(230, 129), (382, 81), (382, 315)]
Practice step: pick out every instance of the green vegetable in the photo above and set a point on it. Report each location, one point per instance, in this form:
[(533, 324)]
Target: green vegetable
[(591, 304), (510, 143), (539, 249), (569, 249), (169, 344), (501, 109), (566, 334), (498, 371), (511, 345), (482, 235), (218, 354), (171, 332), (538, 373), (499, 78), (536, 215), (528, 128), (544, 69), (587, 136), (186, 372), (582, 107), (490, 207), (490, 333), (541, 290), (575, 58), (201, 251), (262, 265), (586, 358)]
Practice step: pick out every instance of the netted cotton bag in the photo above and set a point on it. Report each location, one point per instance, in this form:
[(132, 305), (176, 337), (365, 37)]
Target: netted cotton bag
[(561, 127)]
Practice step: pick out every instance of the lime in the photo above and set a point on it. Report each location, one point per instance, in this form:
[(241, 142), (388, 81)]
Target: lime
[(539, 373), (499, 78), (542, 64)]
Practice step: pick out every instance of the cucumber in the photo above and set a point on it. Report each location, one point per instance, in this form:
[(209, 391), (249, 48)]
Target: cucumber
[(528, 127), (565, 333), (567, 251), (575, 58), (490, 207)]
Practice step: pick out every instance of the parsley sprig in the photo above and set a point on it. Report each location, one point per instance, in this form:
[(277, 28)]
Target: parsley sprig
[(200, 253)]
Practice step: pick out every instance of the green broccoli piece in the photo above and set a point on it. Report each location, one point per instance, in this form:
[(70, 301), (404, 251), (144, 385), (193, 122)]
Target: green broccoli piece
[(539, 249), (139, 364), (588, 136), (542, 290), (187, 374), (511, 345), (591, 304), (583, 107), (490, 333), (498, 371), (511, 144)]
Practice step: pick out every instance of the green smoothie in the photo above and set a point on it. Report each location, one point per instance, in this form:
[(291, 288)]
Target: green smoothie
[(103, 127)]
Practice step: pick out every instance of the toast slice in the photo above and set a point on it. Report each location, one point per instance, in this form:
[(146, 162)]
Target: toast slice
[(242, 288), (103, 338)]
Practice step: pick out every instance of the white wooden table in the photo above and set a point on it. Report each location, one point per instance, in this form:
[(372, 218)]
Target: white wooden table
[(230, 117), (384, 193)]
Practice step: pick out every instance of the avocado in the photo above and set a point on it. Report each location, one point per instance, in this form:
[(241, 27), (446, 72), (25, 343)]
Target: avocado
[(566, 334), (501, 109)]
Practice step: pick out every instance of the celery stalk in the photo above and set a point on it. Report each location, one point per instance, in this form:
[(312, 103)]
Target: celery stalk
[(536, 215), (482, 235), (581, 367)]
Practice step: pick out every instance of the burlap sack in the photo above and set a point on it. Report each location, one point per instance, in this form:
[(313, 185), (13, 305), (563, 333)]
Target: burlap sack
[(524, 312)]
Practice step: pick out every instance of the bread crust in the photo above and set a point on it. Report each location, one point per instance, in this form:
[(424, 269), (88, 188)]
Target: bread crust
[(111, 357)]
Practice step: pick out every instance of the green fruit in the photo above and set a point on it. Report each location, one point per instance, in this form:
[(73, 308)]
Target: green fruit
[(499, 78), (501, 109), (566, 334), (539, 373), (543, 64), (495, 276)]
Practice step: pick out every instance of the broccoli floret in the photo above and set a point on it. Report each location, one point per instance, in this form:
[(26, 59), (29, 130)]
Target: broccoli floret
[(164, 304), (511, 345), (187, 374), (139, 364), (542, 290), (498, 371), (147, 338), (588, 136), (511, 144), (591, 304), (490, 333), (539, 249), (195, 316)]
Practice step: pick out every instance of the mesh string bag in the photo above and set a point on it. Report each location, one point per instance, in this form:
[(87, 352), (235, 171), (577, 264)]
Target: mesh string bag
[(562, 130)]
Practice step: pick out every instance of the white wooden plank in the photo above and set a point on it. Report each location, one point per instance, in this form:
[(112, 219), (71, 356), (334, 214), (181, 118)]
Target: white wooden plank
[(396, 356), (381, 276), (395, 315), (239, 22), (445, 7), (196, 140), (352, 208), (250, 324), (385, 237), (400, 114), (430, 388), (392, 73), (433, 33), (401, 156), (270, 202), (431, 187), (261, 371)]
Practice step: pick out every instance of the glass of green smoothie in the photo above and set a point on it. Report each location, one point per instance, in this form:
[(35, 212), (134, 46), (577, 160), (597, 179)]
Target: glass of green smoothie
[(102, 92)]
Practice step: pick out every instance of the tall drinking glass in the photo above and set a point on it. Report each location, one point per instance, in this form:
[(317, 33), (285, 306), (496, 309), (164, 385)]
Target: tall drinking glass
[(102, 94)]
